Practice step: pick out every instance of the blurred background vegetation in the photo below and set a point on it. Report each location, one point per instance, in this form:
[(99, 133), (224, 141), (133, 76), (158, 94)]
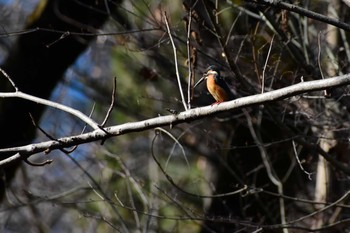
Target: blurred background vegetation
[(71, 51)]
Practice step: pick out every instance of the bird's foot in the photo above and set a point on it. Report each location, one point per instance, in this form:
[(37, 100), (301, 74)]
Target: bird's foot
[(217, 102)]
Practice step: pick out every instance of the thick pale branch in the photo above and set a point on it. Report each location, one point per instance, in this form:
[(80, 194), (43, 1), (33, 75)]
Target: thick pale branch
[(80, 115), (170, 120)]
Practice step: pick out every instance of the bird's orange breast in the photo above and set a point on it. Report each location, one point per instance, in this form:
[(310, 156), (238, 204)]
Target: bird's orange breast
[(216, 91)]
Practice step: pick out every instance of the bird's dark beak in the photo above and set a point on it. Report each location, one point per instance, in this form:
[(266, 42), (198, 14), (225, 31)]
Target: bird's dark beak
[(199, 81)]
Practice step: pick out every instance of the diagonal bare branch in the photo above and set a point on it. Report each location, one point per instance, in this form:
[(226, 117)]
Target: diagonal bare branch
[(26, 151)]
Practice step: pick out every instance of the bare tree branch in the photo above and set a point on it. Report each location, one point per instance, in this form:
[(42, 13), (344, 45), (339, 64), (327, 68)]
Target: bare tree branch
[(305, 12), (74, 112), (23, 152), (175, 60)]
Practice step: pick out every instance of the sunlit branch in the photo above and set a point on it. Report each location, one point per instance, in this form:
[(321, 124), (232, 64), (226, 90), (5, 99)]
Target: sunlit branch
[(265, 65), (112, 102), (74, 112), (188, 43), (175, 61), (174, 119), (18, 94)]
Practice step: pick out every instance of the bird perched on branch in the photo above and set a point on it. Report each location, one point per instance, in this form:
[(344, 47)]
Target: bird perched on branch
[(216, 85)]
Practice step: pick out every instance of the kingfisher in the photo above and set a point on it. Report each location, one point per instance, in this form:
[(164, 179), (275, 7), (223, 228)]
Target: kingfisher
[(216, 85)]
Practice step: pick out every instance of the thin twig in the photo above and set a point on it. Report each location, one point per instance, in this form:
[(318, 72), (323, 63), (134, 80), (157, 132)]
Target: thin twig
[(265, 65), (50, 137), (170, 179), (9, 79), (319, 59), (136, 185), (299, 162), (103, 219), (112, 102), (188, 41), (176, 143), (224, 49), (78, 33), (99, 191), (181, 206), (231, 29), (175, 60), (129, 179), (268, 166), (41, 164), (341, 199), (305, 12)]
